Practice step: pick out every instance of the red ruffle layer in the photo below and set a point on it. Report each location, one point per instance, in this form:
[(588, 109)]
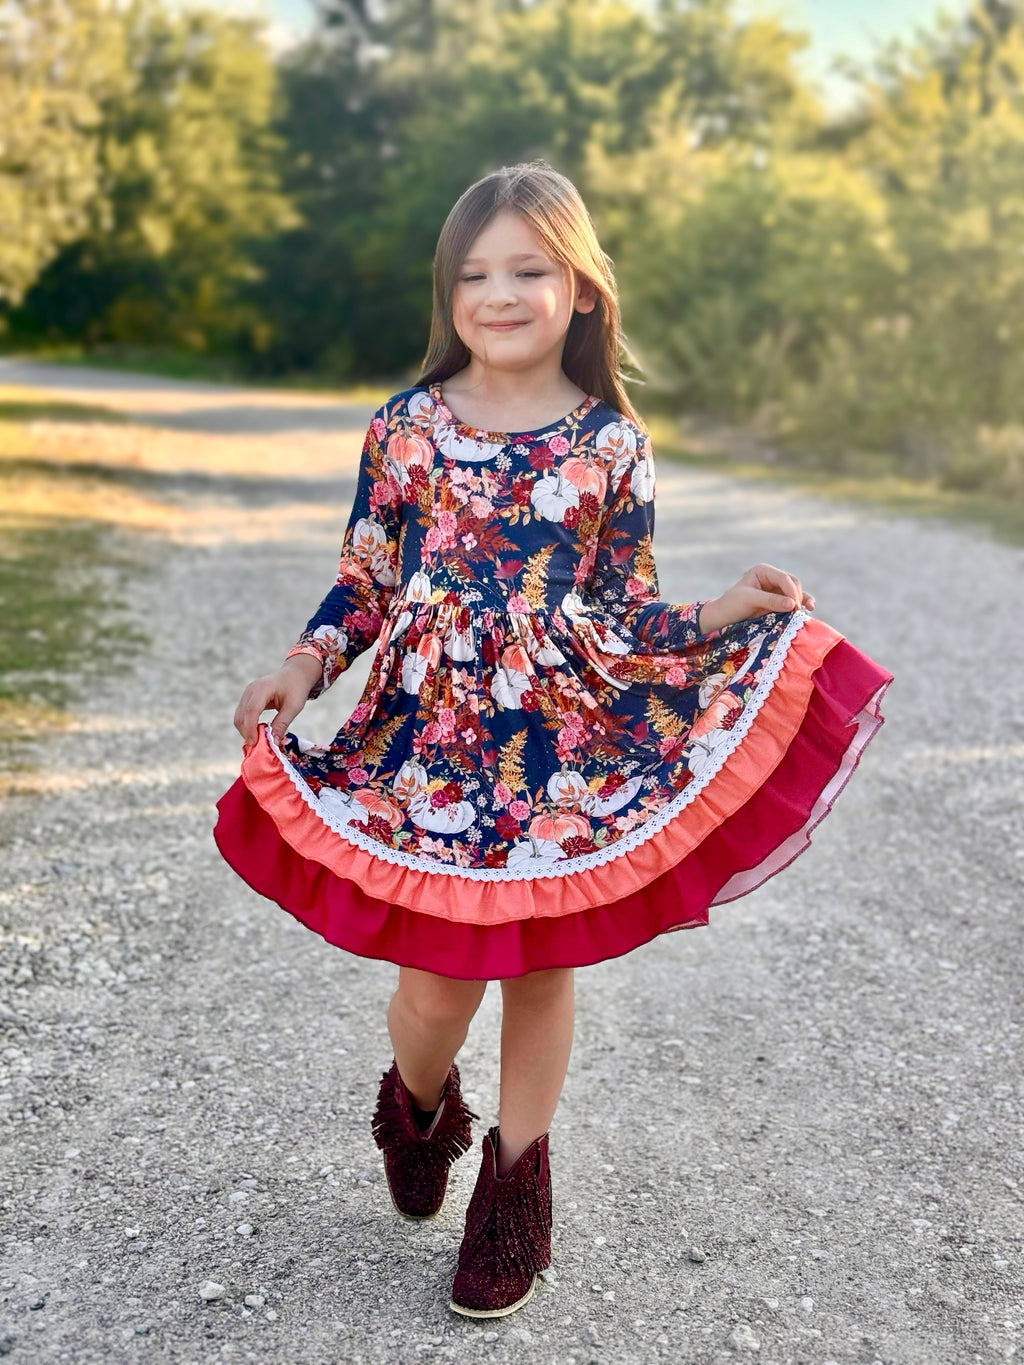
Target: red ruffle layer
[(841, 716)]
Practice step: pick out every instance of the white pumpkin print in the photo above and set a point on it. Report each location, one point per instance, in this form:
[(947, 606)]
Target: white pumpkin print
[(340, 807), (418, 588), (459, 644), (710, 688), (703, 752), (410, 780), (553, 495), (451, 441), (544, 651), (422, 409), (421, 661), (566, 788), (641, 481), (592, 804), (414, 670), (309, 746), (453, 818), (533, 850), (370, 542), (574, 606), (616, 442), (333, 638), (508, 686)]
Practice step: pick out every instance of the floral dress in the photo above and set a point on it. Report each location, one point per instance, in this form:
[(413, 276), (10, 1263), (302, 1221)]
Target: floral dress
[(549, 765)]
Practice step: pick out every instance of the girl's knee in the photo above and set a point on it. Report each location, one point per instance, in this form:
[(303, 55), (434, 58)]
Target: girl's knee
[(438, 1002), (546, 981)]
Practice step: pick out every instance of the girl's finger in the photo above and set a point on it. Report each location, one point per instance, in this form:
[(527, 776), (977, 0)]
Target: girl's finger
[(282, 720), (774, 601)]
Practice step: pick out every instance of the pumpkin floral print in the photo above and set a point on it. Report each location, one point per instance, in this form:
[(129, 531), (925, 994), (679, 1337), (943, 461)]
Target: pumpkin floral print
[(531, 698)]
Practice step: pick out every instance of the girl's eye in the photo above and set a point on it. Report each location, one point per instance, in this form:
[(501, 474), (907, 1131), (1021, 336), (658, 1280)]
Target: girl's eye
[(524, 274)]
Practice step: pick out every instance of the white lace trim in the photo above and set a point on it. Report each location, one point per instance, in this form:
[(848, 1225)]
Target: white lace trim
[(567, 867)]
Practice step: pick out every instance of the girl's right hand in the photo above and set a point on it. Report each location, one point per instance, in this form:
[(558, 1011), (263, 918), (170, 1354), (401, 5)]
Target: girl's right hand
[(762, 589), (288, 690)]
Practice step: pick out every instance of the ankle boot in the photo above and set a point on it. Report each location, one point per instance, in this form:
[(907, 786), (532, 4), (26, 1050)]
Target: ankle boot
[(416, 1161), (508, 1233)]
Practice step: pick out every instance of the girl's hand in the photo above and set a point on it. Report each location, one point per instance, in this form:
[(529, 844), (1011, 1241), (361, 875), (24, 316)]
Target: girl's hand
[(288, 690), (762, 589)]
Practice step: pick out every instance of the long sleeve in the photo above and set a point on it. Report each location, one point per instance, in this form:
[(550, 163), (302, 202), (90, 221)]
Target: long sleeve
[(349, 619), (624, 580)]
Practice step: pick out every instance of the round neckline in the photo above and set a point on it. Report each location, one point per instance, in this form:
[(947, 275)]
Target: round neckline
[(506, 437)]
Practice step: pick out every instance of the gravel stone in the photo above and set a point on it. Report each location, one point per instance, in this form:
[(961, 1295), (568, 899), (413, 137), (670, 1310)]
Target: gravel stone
[(743, 1338)]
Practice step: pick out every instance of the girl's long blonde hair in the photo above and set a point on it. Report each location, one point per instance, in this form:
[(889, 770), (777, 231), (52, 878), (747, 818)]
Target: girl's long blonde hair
[(595, 349)]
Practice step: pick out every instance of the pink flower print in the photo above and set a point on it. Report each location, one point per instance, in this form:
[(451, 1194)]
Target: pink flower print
[(635, 587), (517, 602), (482, 507), (432, 540), (519, 810), (359, 776), (558, 445), (437, 848), (671, 748), (380, 429), (360, 713), (469, 540), (469, 736), (502, 793), (431, 732), (446, 523), (677, 675), (446, 722)]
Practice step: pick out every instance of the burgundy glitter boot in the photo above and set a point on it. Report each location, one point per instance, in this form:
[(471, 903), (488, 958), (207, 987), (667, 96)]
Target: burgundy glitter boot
[(416, 1161), (508, 1233)]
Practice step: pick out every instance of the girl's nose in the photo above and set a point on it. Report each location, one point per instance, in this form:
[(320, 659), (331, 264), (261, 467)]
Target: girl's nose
[(501, 291)]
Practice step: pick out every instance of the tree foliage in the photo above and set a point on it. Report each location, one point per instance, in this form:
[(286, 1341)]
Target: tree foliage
[(850, 283), (186, 167), (396, 118), (53, 55)]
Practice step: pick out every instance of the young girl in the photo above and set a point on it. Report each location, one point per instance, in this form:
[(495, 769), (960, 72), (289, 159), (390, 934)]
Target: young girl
[(549, 765)]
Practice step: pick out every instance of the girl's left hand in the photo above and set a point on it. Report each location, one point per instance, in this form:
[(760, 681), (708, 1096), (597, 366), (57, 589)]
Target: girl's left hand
[(762, 589)]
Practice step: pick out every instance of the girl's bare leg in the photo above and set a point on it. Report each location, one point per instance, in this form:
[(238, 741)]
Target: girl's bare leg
[(428, 1019), (536, 1039)]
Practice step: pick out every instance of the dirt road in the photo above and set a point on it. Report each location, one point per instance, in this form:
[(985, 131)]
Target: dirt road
[(792, 1136)]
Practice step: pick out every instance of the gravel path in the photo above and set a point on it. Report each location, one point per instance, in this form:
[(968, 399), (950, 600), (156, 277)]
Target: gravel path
[(792, 1136)]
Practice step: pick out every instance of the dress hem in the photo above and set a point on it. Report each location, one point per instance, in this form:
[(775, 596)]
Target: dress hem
[(752, 844)]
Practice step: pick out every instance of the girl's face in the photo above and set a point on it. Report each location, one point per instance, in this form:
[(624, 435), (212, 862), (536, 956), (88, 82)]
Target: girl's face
[(512, 302)]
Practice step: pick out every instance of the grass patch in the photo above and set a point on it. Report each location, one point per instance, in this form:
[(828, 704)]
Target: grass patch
[(875, 484), (62, 583), (26, 405)]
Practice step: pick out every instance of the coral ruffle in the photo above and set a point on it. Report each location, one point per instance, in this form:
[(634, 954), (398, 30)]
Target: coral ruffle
[(754, 816)]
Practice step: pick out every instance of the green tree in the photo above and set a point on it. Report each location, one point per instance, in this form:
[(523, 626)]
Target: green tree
[(54, 57), (412, 108), (188, 180)]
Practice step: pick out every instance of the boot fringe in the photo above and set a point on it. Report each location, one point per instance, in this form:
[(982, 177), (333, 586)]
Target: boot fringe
[(522, 1225), (394, 1130)]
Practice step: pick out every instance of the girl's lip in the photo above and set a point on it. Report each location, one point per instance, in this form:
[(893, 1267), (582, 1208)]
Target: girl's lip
[(504, 326)]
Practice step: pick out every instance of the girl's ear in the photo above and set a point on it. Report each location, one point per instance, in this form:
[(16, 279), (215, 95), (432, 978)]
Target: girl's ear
[(586, 295)]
